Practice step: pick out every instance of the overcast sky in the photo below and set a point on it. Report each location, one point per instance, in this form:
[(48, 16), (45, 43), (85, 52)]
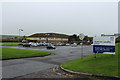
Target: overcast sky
[(90, 18)]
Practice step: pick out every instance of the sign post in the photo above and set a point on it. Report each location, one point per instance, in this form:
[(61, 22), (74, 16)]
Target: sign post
[(81, 37), (104, 45)]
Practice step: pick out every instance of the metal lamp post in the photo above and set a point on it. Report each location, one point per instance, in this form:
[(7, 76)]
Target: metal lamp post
[(81, 37), (19, 35)]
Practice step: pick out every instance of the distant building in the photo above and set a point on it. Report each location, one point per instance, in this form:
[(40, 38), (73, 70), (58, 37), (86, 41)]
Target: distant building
[(116, 35), (48, 37)]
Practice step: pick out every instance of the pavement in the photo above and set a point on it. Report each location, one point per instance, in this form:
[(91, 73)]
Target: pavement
[(41, 66)]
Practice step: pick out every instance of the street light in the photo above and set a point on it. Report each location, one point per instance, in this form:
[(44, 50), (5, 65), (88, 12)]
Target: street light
[(81, 37), (19, 35)]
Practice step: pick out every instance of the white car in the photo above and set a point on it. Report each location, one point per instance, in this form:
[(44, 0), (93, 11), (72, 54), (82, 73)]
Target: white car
[(34, 44), (67, 44), (30, 43), (74, 45)]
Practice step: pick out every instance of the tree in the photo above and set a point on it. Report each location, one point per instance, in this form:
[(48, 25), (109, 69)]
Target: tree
[(73, 38), (85, 39)]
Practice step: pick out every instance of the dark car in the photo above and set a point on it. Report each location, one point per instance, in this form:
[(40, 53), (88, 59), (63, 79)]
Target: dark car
[(26, 45), (50, 46), (20, 44)]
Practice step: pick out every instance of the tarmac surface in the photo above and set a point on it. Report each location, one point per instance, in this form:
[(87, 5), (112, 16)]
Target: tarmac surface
[(40, 67)]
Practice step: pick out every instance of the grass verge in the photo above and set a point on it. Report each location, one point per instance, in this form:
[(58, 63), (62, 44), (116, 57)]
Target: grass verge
[(8, 43), (11, 53), (105, 64)]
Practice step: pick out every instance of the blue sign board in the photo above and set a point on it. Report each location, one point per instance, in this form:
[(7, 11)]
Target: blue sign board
[(103, 48)]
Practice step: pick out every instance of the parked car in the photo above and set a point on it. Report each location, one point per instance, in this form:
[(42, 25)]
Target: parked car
[(63, 44), (57, 44), (26, 45), (67, 44), (50, 46), (74, 45), (34, 44), (40, 44), (47, 44), (20, 44), (44, 44), (30, 43), (60, 44)]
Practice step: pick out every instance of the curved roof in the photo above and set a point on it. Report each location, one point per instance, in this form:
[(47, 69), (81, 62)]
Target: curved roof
[(49, 35)]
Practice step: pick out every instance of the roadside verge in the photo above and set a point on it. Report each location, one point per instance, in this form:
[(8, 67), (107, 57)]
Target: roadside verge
[(90, 75), (14, 53), (28, 57)]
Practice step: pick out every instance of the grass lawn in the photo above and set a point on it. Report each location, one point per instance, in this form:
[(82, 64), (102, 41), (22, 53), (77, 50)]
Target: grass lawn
[(105, 64), (8, 43), (8, 53)]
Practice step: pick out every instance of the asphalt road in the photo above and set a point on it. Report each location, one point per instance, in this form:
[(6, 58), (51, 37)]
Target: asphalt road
[(20, 67)]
